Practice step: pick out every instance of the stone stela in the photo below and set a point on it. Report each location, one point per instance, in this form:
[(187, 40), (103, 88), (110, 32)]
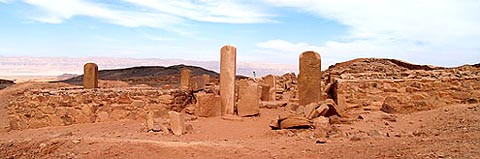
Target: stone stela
[(269, 88), (309, 78), (90, 76), (228, 58), (248, 99), (185, 79)]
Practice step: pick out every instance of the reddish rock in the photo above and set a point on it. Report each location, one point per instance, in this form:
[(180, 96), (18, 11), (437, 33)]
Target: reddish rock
[(309, 78), (248, 100), (90, 76), (208, 105), (228, 66), (177, 122), (295, 122)]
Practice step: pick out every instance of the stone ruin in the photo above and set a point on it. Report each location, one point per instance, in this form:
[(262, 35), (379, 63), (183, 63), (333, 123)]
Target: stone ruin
[(90, 76), (315, 99), (185, 79), (228, 66)]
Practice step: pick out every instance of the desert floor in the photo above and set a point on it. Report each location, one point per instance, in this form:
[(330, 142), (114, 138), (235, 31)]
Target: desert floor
[(448, 132)]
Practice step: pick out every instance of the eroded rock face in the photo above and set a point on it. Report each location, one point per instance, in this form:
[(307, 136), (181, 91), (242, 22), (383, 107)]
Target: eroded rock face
[(90, 76), (248, 100), (309, 78)]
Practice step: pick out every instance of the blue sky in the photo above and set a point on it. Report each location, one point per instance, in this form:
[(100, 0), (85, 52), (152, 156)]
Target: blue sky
[(437, 32)]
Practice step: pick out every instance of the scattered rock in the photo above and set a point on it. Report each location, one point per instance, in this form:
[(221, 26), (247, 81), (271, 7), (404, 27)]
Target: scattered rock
[(272, 104), (390, 118), (76, 141), (274, 124), (300, 110), (321, 142), (390, 104), (291, 106), (355, 138), (321, 122), (231, 117), (295, 122)]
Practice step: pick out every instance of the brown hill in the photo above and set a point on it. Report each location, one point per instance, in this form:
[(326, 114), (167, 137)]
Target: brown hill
[(362, 65), (5, 83), (150, 75)]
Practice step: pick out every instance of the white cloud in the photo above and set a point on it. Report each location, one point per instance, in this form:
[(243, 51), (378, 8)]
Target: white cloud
[(220, 11), (287, 47), (168, 15), (5, 1), (435, 30), (58, 11)]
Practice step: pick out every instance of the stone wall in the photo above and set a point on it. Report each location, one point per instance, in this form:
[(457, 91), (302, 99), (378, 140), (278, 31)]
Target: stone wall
[(410, 74), (405, 95), (66, 106)]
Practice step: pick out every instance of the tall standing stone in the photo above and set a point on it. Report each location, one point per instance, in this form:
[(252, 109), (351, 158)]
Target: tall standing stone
[(248, 100), (90, 76), (185, 79), (309, 78), (228, 66)]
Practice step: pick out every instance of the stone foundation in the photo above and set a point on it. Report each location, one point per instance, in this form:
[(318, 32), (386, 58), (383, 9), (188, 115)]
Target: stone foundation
[(66, 106), (405, 95)]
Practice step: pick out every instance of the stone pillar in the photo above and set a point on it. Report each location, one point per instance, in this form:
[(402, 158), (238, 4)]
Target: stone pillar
[(248, 101), (309, 78), (227, 78), (185, 79), (90, 76), (271, 89)]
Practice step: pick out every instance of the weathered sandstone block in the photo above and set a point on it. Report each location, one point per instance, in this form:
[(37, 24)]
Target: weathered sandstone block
[(309, 78), (185, 79), (248, 100), (90, 76), (208, 105), (177, 122), (227, 78)]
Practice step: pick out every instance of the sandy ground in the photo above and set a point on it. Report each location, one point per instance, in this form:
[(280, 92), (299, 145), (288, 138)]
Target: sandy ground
[(449, 132)]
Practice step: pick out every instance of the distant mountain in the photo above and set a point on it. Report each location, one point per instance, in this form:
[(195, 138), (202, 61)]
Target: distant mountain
[(55, 66), (66, 76)]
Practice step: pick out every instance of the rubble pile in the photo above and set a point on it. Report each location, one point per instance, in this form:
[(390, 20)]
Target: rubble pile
[(312, 115)]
